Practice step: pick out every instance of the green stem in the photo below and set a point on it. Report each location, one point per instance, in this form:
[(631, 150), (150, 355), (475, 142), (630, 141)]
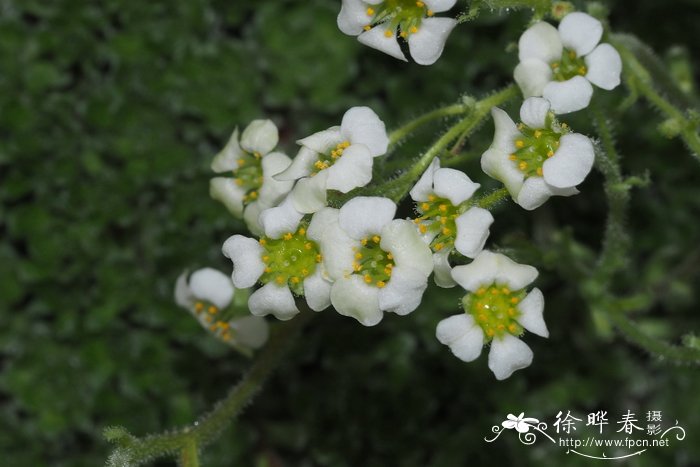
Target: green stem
[(492, 199), (207, 428), (448, 111)]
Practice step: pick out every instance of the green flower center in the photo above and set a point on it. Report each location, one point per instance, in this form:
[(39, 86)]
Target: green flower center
[(406, 15), (372, 263), (534, 146), (568, 66), (494, 309), (437, 215), (326, 160), (290, 259), (249, 175)]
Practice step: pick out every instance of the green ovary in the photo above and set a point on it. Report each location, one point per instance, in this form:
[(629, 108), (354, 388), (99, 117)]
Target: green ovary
[(568, 66), (494, 309), (534, 147), (405, 15), (290, 259), (372, 263), (438, 215), (249, 175)]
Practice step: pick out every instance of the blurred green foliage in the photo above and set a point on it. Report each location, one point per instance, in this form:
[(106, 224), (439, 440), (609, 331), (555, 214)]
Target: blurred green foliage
[(109, 114)]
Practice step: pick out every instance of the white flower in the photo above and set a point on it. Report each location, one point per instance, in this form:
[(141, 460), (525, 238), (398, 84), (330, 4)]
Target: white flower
[(538, 158), (444, 224), (339, 158), (521, 423), (286, 261), (496, 310), (251, 187), (561, 64), (207, 295), (378, 263), (377, 23)]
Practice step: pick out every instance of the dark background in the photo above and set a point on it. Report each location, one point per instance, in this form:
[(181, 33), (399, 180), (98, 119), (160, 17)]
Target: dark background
[(110, 113)]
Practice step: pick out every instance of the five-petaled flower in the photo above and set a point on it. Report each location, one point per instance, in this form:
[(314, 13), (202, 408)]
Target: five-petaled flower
[(339, 158), (207, 295), (496, 309), (378, 263), (444, 222), (251, 188), (377, 23), (521, 423), (561, 64), (538, 158)]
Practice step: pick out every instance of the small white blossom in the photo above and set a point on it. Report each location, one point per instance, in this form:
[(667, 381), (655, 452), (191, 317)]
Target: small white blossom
[(286, 261), (377, 23), (207, 295), (251, 187), (339, 158), (378, 263), (538, 158), (444, 223), (561, 64), (496, 310)]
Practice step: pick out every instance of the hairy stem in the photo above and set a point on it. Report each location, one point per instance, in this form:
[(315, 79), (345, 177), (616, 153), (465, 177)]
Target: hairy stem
[(448, 111)]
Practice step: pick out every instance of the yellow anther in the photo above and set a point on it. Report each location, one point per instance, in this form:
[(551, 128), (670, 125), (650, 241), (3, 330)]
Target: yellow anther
[(368, 278), (238, 182), (265, 258), (481, 291), (366, 27), (301, 231), (319, 258), (364, 241), (550, 153), (494, 292), (294, 280), (287, 236), (442, 208), (512, 328), (213, 327), (345, 144), (358, 255), (555, 65), (479, 306), (432, 198), (308, 246), (443, 220), (226, 336), (376, 239), (505, 290), (513, 157), (519, 143), (404, 34), (514, 300), (425, 206), (257, 154), (511, 312), (268, 269), (253, 194), (430, 12), (572, 54), (482, 318), (522, 165), (279, 280), (582, 70), (357, 267), (241, 161), (563, 125), (262, 241), (539, 171), (223, 325), (390, 266), (388, 33), (304, 272), (446, 231), (334, 154), (420, 4), (423, 229), (370, 11), (538, 133), (501, 327), (389, 256), (380, 284), (387, 271), (199, 306), (439, 246), (207, 318), (417, 220), (520, 126), (413, 30), (489, 332)]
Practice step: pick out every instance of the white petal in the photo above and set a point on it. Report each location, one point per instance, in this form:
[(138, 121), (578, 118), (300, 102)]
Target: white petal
[(505, 131), (427, 44), (309, 194), (472, 231), (272, 191), (533, 112), (532, 75), (496, 164), (568, 96), (275, 300), (438, 6), (360, 125), (516, 276), (246, 254), (540, 41), (604, 67), (353, 17), (183, 293), (279, 220), (337, 250), (452, 329), (404, 291), (365, 216), (300, 167), (323, 141), (320, 221), (531, 309), (571, 162), (317, 290), (353, 169), (376, 39), (250, 331), (454, 185), (442, 269), (401, 238), (352, 297), (480, 272), (225, 190), (260, 136), (469, 346), (580, 32), (424, 187), (227, 159), (533, 194), (507, 355), (212, 286), (251, 216)]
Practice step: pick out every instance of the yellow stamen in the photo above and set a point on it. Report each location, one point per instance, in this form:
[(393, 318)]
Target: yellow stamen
[(308, 246), (423, 229), (389, 256), (364, 241), (387, 271), (358, 255), (287, 236), (380, 284), (199, 306), (295, 280), (572, 54), (425, 206), (442, 208), (388, 33), (302, 231), (241, 161), (514, 300), (481, 291), (404, 34), (420, 4), (319, 258), (522, 165), (432, 198), (511, 312), (582, 70), (446, 231), (376, 239), (512, 328), (513, 157), (279, 280), (505, 290), (539, 171), (550, 153), (494, 292), (489, 332), (538, 133), (519, 143), (367, 27), (268, 269), (430, 12), (257, 154), (413, 30), (304, 272), (238, 182), (370, 11), (367, 278), (439, 246), (262, 241)]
